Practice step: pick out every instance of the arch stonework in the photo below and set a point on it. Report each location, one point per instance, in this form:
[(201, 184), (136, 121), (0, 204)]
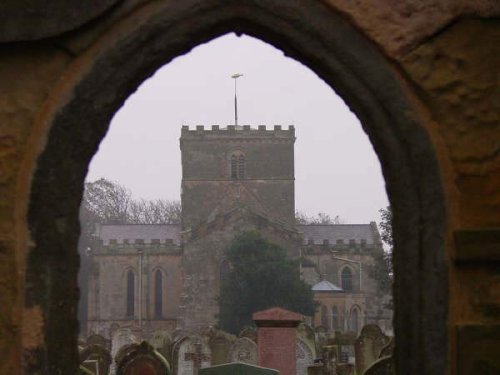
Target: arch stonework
[(331, 47), (76, 113)]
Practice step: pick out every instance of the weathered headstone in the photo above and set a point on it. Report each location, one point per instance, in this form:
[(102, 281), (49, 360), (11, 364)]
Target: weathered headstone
[(304, 355), (243, 350), (345, 369), (318, 369), (368, 346), (388, 349), (96, 358), (237, 369), (99, 340), (192, 353), (141, 359), (162, 342), (382, 366), (250, 333), (277, 339), (220, 345), (121, 338), (329, 357)]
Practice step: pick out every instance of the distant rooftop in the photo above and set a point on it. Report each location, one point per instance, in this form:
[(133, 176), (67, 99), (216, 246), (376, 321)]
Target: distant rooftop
[(145, 232), (326, 286), (318, 233)]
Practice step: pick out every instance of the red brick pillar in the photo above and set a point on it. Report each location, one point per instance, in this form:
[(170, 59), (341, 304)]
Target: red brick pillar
[(277, 339)]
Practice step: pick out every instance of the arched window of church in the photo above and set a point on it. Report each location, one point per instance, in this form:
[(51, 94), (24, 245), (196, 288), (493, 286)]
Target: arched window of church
[(130, 293), (335, 319), (234, 167), (354, 321), (346, 279), (324, 316), (241, 167), (158, 294)]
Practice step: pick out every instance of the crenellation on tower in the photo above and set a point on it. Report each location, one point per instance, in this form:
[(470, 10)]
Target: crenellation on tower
[(236, 132)]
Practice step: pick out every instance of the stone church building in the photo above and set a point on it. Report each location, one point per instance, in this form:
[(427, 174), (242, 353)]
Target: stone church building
[(164, 277)]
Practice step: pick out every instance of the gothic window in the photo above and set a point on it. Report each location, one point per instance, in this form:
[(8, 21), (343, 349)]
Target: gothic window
[(335, 319), (158, 294), (241, 167), (237, 166), (234, 167), (324, 316), (353, 323), (130, 293), (346, 279)]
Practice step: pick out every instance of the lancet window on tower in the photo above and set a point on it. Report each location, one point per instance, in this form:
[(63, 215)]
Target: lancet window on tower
[(241, 167), (130, 293), (237, 166)]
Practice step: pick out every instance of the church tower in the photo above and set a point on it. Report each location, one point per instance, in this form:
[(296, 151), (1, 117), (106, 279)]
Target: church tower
[(233, 179), (234, 167)]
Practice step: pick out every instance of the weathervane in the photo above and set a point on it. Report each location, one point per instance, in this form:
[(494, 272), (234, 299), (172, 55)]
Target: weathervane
[(235, 77)]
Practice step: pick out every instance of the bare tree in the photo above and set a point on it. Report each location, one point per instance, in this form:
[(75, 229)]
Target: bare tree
[(106, 202), (159, 211), (321, 218)]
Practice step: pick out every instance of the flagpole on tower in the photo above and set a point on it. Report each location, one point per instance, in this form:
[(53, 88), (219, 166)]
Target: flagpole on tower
[(235, 77)]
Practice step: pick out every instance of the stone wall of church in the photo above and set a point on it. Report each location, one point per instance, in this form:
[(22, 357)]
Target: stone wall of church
[(110, 267), (327, 262)]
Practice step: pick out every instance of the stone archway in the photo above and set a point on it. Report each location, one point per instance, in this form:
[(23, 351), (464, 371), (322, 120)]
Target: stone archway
[(77, 116)]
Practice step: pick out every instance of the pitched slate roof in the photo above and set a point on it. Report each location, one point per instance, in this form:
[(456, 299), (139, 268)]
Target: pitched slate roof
[(145, 232), (333, 232), (326, 286)]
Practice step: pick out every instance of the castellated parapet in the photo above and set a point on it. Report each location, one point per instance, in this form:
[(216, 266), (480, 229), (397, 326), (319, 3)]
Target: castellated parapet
[(237, 132)]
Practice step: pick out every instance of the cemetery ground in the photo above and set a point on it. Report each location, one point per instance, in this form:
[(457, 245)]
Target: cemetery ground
[(279, 343)]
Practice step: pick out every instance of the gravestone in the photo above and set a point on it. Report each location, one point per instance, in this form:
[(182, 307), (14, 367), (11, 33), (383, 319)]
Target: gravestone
[(141, 359), (96, 358), (121, 338), (220, 345), (244, 350), (99, 340), (388, 349), (329, 357), (162, 342), (368, 346), (304, 356), (192, 354), (237, 369), (382, 366), (276, 333), (84, 371), (345, 369), (317, 369), (250, 333)]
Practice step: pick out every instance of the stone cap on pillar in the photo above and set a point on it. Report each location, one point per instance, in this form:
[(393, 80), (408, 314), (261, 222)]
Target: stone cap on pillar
[(276, 317)]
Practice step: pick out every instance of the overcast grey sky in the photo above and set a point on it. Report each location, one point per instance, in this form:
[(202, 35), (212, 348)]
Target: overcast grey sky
[(336, 169)]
